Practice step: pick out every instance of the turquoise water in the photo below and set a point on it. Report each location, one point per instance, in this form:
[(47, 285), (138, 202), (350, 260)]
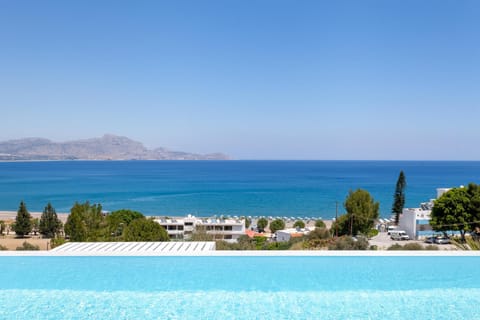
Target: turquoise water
[(205, 188), (239, 287)]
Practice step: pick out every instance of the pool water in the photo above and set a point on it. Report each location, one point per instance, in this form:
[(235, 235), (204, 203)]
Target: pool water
[(239, 287)]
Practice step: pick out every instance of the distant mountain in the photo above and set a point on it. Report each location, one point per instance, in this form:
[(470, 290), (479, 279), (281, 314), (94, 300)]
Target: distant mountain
[(108, 147)]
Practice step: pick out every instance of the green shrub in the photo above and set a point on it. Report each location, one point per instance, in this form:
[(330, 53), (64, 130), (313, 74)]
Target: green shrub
[(143, 229), (3, 248), (55, 242), (278, 246), (413, 246), (395, 246), (349, 243), (372, 233), (320, 224), (299, 224), (243, 243), (319, 233), (277, 224), (260, 242), (27, 247)]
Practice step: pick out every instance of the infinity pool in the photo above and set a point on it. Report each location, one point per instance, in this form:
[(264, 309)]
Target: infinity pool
[(239, 287)]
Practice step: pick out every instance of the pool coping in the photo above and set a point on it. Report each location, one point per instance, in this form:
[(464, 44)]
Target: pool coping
[(249, 253)]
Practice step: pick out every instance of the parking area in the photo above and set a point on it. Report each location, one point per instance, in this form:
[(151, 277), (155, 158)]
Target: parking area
[(383, 241)]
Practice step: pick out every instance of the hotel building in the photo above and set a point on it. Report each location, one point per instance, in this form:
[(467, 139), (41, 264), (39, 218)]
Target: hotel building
[(221, 229)]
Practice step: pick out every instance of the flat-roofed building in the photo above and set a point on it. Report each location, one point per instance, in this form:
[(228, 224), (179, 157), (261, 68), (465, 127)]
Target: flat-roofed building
[(287, 234), (221, 229), (416, 221)]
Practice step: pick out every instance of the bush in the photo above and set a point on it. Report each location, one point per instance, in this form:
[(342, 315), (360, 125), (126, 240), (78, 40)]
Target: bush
[(243, 243), (200, 234), (372, 233), (248, 222), (320, 224), (260, 242), (299, 224), (55, 242), (319, 233), (276, 225), (319, 238), (395, 246), (349, 243), (413, 246), (278, 246), (3, 248), (262, 224), (145, 230), (27, 247)]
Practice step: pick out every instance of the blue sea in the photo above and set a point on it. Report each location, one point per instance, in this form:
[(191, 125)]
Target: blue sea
[(206, 188)]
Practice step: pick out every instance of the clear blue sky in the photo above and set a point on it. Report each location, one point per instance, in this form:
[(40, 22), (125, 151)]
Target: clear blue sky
[(254, 79)]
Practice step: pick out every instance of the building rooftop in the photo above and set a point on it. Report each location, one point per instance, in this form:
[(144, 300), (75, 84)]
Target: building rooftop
[(134, 248)]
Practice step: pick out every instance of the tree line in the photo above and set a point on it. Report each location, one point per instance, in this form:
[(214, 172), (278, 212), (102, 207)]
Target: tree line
[(87, 222)]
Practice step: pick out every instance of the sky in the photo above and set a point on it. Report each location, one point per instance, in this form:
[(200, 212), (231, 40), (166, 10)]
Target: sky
[(265, 79)]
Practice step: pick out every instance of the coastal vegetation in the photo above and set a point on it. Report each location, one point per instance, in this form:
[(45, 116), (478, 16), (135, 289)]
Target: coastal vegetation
[(399, 197), (319, 224), (299, 224), (23, 221), (457, 210), (88, 223), (143, 229), (362, 211), (277, 224), (349, 243), (26, 246), (49, 225), (470, 243), (412, 246), (262, 224)]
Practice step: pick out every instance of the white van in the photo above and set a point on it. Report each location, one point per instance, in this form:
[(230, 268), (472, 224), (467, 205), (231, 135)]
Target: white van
[(390, 229), (399, 235)]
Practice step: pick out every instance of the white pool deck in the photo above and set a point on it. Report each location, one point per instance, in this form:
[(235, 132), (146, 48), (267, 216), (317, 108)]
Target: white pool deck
[(207, 248)]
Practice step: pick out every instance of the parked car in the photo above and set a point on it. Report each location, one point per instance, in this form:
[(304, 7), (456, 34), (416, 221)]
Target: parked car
[(442, 240), (475, 235), (430, 239), (399, 235)]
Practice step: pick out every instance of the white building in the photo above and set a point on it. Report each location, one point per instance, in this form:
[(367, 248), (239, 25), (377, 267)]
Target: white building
[(221, 229), (416, 221), (287, 234)]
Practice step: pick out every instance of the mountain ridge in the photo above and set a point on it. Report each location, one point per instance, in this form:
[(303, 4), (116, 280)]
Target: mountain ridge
[(107, 147)]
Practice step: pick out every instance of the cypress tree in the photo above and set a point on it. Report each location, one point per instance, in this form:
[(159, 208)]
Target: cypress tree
[(23, 223), (50, 225), (399, 197)]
